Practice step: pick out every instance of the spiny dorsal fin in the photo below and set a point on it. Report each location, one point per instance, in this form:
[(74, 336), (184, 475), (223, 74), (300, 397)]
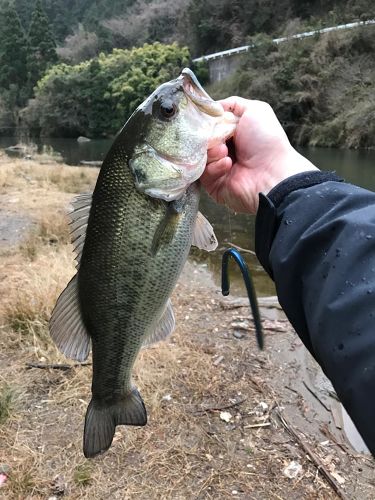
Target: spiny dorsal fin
[(66, 325), (79, 217), (164, 327), (204, 236)]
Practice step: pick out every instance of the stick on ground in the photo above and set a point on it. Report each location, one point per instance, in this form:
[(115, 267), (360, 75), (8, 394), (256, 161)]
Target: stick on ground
[(314, 458), (55, 366)]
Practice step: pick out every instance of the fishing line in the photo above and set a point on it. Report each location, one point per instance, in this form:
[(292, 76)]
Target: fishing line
[(225, 284)]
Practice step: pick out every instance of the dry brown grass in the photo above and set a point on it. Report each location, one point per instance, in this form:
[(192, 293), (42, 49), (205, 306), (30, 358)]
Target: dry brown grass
[(30, 292), (184, 452), (51, 229), (42, 189)]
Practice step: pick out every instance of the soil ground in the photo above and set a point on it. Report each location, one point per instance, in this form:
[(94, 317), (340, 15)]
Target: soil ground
[(225, 420)]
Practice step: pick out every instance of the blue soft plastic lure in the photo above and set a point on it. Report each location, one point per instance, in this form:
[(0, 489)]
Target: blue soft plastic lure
[(235, 254)]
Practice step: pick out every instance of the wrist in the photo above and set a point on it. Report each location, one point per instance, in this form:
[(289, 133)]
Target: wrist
[(290, 164)]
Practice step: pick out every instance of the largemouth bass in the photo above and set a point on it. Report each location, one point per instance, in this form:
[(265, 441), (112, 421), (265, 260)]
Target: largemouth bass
[(132, 238)]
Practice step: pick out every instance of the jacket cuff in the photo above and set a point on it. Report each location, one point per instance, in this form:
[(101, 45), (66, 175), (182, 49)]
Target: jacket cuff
[(300, 181), (267, 220)]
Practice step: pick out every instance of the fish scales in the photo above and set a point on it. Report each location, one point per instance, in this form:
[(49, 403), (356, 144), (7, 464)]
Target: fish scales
[(137, 283), (131, 239)]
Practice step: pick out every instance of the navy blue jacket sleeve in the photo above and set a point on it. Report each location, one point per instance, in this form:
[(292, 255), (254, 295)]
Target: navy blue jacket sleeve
[(316, 239)]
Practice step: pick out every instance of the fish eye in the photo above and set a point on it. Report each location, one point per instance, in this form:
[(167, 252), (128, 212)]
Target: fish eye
[(167, 110)]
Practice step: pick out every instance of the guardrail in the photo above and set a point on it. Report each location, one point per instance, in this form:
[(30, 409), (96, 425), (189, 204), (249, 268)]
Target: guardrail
[(246, 48)]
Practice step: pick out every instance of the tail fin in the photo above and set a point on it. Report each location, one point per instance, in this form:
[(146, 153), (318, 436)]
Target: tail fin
[(100, 422)]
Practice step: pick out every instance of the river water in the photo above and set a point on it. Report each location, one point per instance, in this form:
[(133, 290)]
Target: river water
[(238, 229)]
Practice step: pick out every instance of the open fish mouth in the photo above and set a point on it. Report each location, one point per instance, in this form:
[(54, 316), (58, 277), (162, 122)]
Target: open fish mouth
[(196, 93), (184, 121)]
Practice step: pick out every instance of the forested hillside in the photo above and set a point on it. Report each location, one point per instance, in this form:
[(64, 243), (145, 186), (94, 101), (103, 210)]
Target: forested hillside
[(52, 50), (206, 25), (323, 89)]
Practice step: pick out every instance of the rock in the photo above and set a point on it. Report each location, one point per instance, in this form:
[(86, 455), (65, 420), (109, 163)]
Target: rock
[(81, 138), (238, 334), (225, 416), (242, 325), (261, 409), (292, 470)]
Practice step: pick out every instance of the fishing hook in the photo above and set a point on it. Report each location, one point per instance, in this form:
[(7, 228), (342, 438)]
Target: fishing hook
[(235, 254)]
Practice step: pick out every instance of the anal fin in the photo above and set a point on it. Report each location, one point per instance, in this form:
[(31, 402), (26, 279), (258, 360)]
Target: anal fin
[(163, 328)]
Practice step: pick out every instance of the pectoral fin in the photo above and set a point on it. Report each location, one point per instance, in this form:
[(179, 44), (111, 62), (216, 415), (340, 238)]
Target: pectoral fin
[(204, 236), (167, 226)]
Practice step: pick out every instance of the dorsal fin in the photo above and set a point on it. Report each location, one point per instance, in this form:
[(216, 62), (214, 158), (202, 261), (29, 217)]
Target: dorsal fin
[(164, 327), (79, 217), (66, 325), (204, 236)]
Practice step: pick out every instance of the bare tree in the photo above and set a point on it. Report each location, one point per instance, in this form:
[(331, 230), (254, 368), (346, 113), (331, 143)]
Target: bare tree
[(80, 46)]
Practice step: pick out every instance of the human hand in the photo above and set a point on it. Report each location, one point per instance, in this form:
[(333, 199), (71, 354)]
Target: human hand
[(263, 157)]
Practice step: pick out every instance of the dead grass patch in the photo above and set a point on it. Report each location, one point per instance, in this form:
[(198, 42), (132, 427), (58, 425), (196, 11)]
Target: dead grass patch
[(51, 230), (30, 292), (44, 170)]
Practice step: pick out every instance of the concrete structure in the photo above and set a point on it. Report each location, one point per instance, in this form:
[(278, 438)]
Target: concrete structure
[(222, 64)]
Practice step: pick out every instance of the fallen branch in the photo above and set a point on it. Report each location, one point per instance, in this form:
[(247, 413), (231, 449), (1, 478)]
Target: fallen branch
[(55, 366), (313, 457), (325, 430), (316, 397), (254, 426), (244, 250)]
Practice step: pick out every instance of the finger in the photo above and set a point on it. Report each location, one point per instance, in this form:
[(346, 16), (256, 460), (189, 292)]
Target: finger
[(217, 153), (215, 170)]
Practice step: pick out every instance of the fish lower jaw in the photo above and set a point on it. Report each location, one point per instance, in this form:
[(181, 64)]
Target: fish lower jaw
[(174, 189), (166, 195)]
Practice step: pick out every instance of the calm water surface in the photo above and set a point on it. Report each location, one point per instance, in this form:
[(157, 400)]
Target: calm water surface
[(357, 167)]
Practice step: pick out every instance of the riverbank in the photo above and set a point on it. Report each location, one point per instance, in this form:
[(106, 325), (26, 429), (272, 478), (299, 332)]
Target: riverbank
[(225, 421)]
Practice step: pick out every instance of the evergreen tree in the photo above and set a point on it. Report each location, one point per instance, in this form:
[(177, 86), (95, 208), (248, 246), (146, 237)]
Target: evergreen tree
[(13, 50), (42, 46)]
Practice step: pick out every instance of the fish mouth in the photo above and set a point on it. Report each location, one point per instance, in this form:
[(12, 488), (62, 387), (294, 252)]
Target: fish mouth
[(179, 175), (196, 93)]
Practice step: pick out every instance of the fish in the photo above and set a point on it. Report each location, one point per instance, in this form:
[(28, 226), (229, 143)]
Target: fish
[(131, 238)]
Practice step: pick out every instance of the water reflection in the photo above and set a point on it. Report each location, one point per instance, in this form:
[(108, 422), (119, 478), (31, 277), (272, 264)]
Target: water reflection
[(70, 150), (356, 166), (237, 229)]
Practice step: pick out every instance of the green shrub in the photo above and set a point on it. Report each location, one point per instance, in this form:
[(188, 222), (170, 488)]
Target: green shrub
[(96, 97)]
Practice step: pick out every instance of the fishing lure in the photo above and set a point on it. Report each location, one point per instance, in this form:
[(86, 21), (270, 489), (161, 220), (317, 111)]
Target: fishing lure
[(237, 257)]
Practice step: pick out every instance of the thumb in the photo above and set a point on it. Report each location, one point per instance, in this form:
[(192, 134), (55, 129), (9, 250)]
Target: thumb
[(237, 105)]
